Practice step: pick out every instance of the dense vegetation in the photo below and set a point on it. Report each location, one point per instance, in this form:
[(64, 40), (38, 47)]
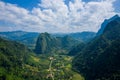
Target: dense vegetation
[(17, 62), (75, 50), (29, 38), (50, 44), (12, 57), (99, 60), (62, 56), (83, 36)]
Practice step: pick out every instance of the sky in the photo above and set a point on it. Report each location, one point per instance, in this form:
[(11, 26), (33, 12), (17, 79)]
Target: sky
[(55, 16)]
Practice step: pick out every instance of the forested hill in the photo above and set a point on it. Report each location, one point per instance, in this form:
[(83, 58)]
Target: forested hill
[(99, 60), (13, 56), (47, 43), (29, 38), (17, 62)]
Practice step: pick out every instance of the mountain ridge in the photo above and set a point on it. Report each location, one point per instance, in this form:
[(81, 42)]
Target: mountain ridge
[(99, 59), (47, 43), (104, 24)]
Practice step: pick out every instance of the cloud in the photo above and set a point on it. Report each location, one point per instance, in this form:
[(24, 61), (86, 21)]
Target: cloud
[(56, 16)]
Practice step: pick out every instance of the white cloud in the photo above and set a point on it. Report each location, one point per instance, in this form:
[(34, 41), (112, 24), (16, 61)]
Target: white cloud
[(55, 16)]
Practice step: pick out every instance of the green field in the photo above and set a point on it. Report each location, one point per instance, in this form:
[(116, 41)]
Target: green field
[(59, 69)]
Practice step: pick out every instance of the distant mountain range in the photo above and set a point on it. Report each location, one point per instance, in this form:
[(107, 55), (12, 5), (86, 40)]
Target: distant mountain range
[(30, 38), (27, 38), (84, 36), (95, 56)]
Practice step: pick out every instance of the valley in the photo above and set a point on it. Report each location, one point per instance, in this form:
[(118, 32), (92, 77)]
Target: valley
[(18, 62), (57, 67), (74, 56)]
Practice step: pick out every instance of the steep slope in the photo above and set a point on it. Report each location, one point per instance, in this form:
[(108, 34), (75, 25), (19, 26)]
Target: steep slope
[(13, 55), (51, 44), (75, 50), (100, 58), (18, 63), (44, 43), (84, 37), (68, 42), (104, 24)]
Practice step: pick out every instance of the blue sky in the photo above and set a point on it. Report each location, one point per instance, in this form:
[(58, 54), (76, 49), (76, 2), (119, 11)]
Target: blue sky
[(56, 15), (117, 5), (29, 4)]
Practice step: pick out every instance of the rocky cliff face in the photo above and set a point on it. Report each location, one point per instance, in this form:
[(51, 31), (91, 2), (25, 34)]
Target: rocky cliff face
[(48, 44)]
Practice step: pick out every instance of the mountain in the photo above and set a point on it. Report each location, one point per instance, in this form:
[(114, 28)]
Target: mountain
[(17, 62), (47, 43), (59, 34), (104, 24), (27, 38), (99, 60), (44, 43), (83, 36)]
